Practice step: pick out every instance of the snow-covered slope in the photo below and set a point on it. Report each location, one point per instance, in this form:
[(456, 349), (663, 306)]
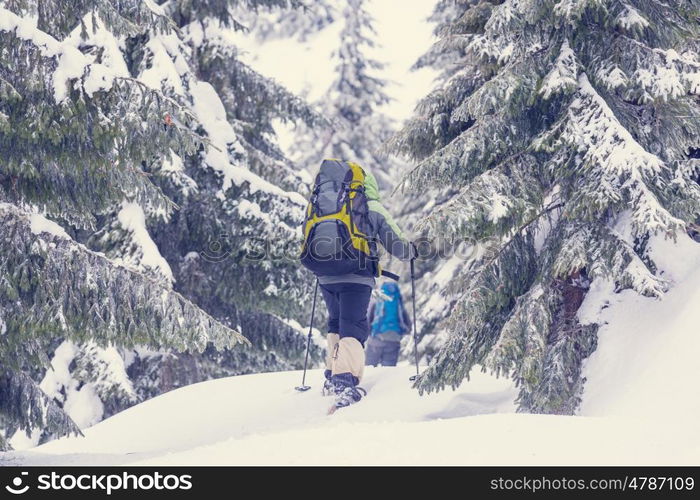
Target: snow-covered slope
[(640, 405), (260, 419), (647, 361)]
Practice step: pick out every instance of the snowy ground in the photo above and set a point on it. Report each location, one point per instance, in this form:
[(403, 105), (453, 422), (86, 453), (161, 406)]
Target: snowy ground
[(647, 362), (640, 406), (260, 419)]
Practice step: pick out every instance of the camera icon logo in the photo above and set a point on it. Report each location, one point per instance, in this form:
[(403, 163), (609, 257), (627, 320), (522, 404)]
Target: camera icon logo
[(16, 487)]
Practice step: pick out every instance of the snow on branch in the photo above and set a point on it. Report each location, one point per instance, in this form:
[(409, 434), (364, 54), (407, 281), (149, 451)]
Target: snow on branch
[(614, 168), (570, 11), (498, 95), (605, 253), (664, 74), (563, 76), (491, 204), (630, 19), (133, 220), (211, 114), (27, 406), (95, 298), (72, 64)]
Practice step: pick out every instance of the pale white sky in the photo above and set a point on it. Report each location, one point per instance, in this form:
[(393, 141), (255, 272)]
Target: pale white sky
[(403, 34)]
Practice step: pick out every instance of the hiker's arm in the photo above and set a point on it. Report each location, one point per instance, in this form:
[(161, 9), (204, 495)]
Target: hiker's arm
[(370, 313), (390, 235)]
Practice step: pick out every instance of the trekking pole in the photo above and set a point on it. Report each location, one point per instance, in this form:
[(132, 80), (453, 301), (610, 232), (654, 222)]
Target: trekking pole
[(303, 387), (415, 334)]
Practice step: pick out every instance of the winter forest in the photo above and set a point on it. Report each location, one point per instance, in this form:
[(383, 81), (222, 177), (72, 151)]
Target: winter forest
[(156, 158)]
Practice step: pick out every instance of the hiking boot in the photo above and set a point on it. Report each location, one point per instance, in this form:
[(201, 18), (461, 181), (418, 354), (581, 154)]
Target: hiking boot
[(342, 380), (346, 390), (349, 395), (328, 388)]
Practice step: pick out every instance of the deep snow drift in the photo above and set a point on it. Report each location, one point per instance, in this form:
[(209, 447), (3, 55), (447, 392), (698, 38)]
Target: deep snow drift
[(260, 419), (640, 405), (647, 361)]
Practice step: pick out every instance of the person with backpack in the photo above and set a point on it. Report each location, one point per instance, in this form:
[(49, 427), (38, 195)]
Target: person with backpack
[(344, 224), (389, 321)]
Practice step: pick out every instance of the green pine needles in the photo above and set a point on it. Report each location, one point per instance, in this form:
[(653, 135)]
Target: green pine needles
[(132, 142), (566, 130)]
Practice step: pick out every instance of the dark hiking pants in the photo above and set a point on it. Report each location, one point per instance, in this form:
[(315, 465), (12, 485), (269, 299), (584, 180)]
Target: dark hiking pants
[(347, 309), (382, 352)]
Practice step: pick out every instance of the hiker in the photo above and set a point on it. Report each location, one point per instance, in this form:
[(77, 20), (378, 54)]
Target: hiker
[(344, 222), (389, 321)]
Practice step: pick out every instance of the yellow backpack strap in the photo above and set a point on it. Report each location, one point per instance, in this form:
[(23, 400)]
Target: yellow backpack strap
[(358, 177)]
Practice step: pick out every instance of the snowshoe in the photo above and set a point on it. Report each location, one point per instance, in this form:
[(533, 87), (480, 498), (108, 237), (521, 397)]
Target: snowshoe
[(346, 397), (328, 388)]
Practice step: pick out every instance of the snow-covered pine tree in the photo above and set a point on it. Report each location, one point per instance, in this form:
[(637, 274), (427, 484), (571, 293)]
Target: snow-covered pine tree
[(266, 209), (232, 243), (235, 198), (352, 103), (74, 135), (445, 259), (449, 16), (297, 22), (569, 130), (241, 193)]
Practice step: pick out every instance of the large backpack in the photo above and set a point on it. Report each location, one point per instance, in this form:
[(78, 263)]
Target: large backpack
[(337, 233), (388, 313)]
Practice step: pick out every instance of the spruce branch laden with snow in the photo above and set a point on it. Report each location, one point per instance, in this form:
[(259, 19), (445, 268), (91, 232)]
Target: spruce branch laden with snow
[(591, 107), (299, 22), (75, 159), (236, 193)]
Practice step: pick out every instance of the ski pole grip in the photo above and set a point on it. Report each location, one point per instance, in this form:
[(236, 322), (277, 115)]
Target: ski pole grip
[(414, 251), (390, 275)]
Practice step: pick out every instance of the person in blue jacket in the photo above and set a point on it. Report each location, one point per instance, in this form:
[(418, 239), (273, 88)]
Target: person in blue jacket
[(389, 321)]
